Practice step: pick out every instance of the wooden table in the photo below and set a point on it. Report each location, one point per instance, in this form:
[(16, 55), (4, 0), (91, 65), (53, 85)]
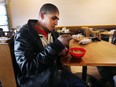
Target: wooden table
[(97, 54)]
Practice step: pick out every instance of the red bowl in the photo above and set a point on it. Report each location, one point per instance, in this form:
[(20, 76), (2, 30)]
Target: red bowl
[(77, 52)]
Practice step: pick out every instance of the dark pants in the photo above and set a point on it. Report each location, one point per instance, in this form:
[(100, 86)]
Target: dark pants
[(66, 80), (107, 74), (71, 80)]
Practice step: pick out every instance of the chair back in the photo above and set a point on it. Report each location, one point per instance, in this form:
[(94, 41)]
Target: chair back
[(114, 38), (7, 76)]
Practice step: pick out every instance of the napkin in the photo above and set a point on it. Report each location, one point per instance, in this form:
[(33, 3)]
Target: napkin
[(78, 37), (85, 41)]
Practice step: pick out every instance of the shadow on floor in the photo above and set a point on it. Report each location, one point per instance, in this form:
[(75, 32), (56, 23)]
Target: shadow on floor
[(93, 82)]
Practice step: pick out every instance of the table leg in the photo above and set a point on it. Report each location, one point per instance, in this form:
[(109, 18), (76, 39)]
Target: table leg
[(84, 73)]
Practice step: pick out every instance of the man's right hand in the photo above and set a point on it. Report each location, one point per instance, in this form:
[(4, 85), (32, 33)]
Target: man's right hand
[(64, 39)]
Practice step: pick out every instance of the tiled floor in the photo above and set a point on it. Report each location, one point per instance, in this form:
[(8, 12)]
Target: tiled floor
[(93, 76), (91, 70)]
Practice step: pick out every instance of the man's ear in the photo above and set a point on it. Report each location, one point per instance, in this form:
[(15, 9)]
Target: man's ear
[(42, 15)]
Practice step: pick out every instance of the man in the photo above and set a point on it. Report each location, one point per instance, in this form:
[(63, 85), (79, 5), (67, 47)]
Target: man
[(38, 49)]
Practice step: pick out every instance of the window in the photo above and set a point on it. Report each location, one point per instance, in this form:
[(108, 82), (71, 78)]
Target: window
[(3, 17)]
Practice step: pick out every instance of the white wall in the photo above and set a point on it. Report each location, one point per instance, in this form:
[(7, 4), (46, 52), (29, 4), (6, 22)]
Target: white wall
[(72, 12)]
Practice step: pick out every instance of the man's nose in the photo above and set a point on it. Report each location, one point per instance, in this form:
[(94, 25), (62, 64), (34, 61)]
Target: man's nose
[(56, 22)]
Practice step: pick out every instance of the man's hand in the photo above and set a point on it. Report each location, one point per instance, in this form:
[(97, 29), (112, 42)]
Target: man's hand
[(64, 52), (64, 39)]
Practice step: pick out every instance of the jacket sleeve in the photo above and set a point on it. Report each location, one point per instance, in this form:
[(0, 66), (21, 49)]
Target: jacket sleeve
[(31, 61)]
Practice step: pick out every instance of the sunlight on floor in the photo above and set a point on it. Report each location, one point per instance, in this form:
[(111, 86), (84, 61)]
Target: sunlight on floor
[(91, 70)]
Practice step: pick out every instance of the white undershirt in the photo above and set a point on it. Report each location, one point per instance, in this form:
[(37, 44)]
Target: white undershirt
[(46, 41)]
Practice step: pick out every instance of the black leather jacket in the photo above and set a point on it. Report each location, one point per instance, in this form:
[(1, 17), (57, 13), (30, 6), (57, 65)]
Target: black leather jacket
[(31, 57)]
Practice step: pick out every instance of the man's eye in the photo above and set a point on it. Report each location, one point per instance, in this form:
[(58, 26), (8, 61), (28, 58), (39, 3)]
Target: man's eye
[(54, 18)]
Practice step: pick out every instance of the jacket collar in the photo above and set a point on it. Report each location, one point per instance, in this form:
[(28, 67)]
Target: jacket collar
[(34, 33)]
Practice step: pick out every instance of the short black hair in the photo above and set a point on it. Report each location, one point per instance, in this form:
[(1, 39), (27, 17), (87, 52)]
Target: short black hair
[(48, 7)]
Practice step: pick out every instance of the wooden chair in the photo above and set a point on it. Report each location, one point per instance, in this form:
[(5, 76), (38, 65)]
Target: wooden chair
[(114, 38), (95, 33), (87, 31), (7, 75)]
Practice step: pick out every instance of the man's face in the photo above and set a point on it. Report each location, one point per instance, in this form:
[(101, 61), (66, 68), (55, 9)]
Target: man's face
[(50, 20)]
